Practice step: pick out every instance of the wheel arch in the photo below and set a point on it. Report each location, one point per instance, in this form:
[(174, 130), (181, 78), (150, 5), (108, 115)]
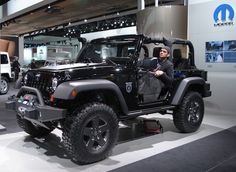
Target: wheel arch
[(92, 87), (188, 84), (6, 75)]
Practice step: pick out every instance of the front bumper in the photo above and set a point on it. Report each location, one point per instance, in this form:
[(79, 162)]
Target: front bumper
[(39, 112)]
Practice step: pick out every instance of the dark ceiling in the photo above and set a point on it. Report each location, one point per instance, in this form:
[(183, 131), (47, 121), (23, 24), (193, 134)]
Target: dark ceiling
[(3, 2), (63, 12)]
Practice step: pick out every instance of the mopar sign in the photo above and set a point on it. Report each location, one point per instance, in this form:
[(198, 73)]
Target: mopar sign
[(224, 15)]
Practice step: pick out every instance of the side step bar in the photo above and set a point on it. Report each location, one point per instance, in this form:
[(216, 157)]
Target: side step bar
[(149, 111)]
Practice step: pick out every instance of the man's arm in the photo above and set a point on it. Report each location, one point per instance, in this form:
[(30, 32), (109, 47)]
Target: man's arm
[(166, 73)]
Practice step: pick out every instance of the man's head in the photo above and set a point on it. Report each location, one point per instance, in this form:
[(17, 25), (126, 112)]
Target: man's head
[(165, 52), (16, 58)]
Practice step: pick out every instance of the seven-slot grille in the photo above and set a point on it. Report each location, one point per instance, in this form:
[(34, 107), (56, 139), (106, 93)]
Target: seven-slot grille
[(41, 81)]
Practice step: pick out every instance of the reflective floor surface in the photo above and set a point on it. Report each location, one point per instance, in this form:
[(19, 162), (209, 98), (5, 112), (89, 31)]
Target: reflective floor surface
[(21, 153)]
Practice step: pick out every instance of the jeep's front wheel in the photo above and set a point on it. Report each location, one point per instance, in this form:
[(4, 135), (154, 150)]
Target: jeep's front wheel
[(93, 133), (4, 85), (189, 114)]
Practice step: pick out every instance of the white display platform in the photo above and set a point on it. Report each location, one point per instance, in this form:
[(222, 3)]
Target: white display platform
[(21, 153)]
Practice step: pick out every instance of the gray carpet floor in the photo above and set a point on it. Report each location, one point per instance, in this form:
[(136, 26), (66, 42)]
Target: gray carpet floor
[(215, 153)]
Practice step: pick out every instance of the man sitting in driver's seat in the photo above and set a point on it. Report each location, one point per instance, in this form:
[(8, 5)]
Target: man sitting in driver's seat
[(157, 81), (165, 69)]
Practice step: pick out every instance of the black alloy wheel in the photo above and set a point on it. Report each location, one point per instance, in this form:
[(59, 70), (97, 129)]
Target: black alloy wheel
[(189, 114), (96, 133), (93, 133), (194, 112)]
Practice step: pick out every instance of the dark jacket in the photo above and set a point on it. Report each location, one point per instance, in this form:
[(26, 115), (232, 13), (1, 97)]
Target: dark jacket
[(33, 65), (167, 67), (16, 66)]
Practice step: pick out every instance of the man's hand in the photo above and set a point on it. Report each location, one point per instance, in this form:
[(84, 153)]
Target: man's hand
[(158, 73)]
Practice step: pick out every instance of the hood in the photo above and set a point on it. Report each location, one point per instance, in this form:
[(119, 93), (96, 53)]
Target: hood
[(69, 66), (76, 70)]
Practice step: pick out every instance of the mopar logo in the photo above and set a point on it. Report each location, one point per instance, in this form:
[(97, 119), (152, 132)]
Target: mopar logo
[(224, 15)]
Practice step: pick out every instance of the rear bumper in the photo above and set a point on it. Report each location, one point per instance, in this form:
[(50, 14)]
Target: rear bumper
[(207, 92), (41, 112)]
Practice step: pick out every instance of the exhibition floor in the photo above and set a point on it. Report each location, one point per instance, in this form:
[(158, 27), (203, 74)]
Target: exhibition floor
[(211, 148)]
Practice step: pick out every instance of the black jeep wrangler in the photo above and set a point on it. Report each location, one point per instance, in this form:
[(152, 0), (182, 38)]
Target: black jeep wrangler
[(111, 81)]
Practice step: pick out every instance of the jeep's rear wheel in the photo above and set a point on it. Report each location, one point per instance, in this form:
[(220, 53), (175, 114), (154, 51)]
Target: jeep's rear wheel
[(33, 129), (188, 116), (4, 85), (93, 133)]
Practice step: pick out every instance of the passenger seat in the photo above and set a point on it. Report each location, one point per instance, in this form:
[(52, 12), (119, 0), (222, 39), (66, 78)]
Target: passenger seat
[(156, 52), (178, 61)]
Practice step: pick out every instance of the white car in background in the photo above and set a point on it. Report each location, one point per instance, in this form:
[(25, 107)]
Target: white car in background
[(5, 69)]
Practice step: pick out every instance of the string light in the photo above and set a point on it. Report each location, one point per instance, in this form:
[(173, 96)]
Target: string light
[(75, 31)]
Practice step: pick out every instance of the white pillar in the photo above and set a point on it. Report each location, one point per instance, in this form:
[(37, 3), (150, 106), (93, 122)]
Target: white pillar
[(141, 5), (156, 3), (21, 49), (1, 12), (185, 2)]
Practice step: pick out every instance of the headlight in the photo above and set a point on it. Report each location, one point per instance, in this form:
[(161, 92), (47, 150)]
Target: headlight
[(54, 83), (25, 79)]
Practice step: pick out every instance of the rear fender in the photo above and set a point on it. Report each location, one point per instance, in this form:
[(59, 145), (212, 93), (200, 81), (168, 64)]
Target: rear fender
[(183, 88)]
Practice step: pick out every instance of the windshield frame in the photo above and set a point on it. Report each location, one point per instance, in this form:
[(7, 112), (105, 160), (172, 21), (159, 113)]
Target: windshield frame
[(135, 39)]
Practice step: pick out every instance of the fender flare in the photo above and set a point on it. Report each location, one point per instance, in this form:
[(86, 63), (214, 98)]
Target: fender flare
[(183, 87), (63, 91)]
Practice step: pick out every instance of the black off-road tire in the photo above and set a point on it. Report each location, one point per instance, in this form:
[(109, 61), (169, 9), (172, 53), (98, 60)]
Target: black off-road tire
[(34, 130), (4, 85), (66, 134), (93, 133), (189, 114)]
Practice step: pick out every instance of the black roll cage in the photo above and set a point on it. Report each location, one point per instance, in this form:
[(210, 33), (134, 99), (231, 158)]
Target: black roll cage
[(144, 39), (170, 42)]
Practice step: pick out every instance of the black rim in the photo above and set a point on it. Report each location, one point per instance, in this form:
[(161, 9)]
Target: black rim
[(96, 134), (194, 112)]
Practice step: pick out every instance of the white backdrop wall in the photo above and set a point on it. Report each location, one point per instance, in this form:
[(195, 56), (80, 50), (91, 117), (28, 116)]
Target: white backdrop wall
[(202, 29)]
